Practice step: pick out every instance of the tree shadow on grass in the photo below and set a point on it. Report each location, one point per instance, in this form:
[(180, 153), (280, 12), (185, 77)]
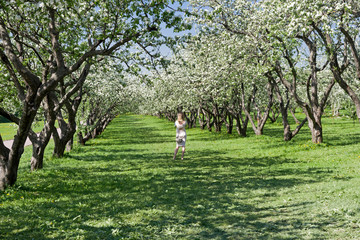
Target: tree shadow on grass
[(343, 140), (213, 198), (113, 193)]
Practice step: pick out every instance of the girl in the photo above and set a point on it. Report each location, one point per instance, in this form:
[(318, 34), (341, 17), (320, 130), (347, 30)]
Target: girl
[(180, 135)]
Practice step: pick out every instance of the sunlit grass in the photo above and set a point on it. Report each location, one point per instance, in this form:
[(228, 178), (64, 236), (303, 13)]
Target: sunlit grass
[(8, 130), (124, 185)]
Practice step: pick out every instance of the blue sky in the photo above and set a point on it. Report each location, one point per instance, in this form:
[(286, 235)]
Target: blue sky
[(169, 32)]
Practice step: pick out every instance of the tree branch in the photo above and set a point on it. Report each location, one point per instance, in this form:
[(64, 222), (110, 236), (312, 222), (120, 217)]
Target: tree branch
[(30, 37), (353, 50), (78, 85), (326, 94), (15, 79), (31, 79), (92, 52), (54, 34), (9, 116)]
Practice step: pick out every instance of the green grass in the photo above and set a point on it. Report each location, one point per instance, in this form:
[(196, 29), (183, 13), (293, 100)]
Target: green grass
[(124, 185), (8, 130)]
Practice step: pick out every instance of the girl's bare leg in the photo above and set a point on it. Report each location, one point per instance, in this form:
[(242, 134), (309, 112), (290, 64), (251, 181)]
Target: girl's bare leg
[(176, 150), (183, 152)]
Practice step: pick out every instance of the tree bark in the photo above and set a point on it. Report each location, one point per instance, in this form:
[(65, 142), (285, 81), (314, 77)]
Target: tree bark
[(201, 118), (284, 106), (193, 117), (230, 124), (241, 128), (274, 114), (314, 109), (337, 70), (4, 154), (209, 119), (261, 118), (190, 118), (68, 129), (37, 157), (227, 118), (40, 142), (97, 129), (235, 109), (217, 117), (293, 115)]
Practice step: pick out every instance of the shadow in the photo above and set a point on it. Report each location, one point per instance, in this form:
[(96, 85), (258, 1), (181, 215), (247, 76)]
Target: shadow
[(112, 189)]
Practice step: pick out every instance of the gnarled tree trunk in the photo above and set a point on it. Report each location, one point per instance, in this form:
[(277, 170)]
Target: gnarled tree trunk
[(64, 140), (11, 157), (284, 106), (261, 118), (229, 122), (40, 141), (217, 117), (314, 109), (201, 117)]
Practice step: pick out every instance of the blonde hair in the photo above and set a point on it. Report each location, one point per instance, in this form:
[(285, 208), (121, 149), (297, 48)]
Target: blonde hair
[(182, 116)]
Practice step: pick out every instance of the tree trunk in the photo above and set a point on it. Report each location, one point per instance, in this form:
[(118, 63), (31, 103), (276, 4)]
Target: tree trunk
[(81, 139), (337, 70), (4, 154), (288, 134), (40, 142), (208, 118), (10, 158), (293, 115), (98, 123), (193, 117), (190, 119), (201, 119), (67, 129), (239, 129), (217, 126), (217, 118), (61, 141), (315, 128), (59, 148), (315, 108), (69, 145), (97, 130), (230, 124), (261, 119), (37, 157), (274, 114), (187, 119), (349, 91)]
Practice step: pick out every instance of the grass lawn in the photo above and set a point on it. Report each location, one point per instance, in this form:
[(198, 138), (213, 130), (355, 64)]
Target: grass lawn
[(124, 185), (8, 130)]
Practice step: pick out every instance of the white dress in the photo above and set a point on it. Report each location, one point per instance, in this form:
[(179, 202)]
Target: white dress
[(180, 132)]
